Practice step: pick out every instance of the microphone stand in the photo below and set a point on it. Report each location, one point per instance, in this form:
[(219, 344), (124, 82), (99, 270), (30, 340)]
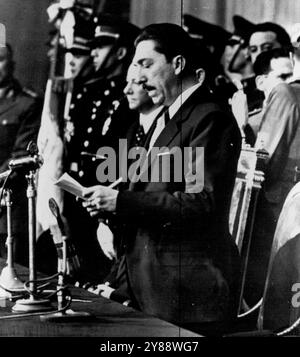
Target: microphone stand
[(32, 304), (8, 278), (64, 315)]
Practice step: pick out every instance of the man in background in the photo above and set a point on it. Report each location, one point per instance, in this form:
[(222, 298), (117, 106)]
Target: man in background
[(238, 65), (266, 36), (20, 111), (93, 112)]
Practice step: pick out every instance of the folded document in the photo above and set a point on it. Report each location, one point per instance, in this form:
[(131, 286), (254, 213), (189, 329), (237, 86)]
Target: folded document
[(67, 183)]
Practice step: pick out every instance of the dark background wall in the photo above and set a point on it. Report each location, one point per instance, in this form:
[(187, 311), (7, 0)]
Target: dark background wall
[(27, 29), (27, 25), (284, 12)]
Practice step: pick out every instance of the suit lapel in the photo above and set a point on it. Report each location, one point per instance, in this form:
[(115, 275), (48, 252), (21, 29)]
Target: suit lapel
[(164, 140), (172, 129)]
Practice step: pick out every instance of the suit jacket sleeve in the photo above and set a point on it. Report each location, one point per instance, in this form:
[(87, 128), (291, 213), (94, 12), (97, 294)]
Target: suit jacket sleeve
[(219, 135)]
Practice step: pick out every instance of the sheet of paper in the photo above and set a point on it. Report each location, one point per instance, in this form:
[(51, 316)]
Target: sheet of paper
[(67, 183)]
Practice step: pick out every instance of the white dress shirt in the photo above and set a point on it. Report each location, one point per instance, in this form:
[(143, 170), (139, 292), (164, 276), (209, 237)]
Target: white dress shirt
[(146, 120)]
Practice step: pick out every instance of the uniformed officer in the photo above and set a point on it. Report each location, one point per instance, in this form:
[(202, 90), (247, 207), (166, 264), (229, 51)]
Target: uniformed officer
[(92, 111), (209, 44), (93, 106), (237, 62), (20, 111), (82, 71)]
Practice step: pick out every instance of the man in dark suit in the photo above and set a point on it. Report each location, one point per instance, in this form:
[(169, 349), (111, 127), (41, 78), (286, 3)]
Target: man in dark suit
[(20, 111), (181, 263)]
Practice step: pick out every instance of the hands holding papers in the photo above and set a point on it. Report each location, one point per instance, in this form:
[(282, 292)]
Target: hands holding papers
[(67, 183), (96, 198), (100, 199)]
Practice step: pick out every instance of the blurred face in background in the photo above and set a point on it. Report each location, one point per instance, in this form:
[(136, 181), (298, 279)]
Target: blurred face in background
[(262, 41), (78, 61), (137, 96), (235, 56), (102, 55), (6, 66)]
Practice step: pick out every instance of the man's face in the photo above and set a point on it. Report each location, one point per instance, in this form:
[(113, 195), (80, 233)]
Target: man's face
[(136, 95), (6, 66), (280, 70), (155, 73), (262, 41), (100, 56), (235, 57), (77, 63)]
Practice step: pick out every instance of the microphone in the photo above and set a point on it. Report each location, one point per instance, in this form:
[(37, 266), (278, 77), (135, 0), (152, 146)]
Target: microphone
[(73, 262), (56, 213), (63, 315), (28, 162)]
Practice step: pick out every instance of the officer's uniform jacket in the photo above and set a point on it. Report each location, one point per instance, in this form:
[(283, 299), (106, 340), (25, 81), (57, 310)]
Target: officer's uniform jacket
[(91, 113), (20, 112)]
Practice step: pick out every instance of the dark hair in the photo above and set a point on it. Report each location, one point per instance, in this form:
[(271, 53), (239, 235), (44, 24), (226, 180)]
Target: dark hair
[(171, 40), (281, 35), (262, 65)]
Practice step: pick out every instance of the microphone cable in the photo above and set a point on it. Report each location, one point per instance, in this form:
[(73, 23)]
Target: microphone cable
[(63, 309)]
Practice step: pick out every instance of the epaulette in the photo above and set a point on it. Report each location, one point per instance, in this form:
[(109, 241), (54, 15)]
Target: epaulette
[(30, 92)]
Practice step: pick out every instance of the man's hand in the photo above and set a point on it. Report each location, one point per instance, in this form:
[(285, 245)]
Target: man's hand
[(105, 238), (104, 290), (100, 199)]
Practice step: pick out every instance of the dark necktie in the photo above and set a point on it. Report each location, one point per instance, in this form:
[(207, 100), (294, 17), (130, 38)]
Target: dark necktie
[(166, 115), (163, 113)]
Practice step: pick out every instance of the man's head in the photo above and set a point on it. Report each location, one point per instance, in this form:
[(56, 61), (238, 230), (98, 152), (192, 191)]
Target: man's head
[(236, 55), (113, 43), (6, 65), (271, 68), (164, 60), (78, 63), (137, 96), (210, 36), (267, 36), (81, 51)]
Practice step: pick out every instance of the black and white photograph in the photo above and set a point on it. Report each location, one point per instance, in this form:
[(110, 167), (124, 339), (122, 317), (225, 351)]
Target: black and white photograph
[(149, 173)]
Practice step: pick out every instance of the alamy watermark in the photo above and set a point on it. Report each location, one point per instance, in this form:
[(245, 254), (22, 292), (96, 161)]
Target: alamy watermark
[(161, 164), (296, 297)]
